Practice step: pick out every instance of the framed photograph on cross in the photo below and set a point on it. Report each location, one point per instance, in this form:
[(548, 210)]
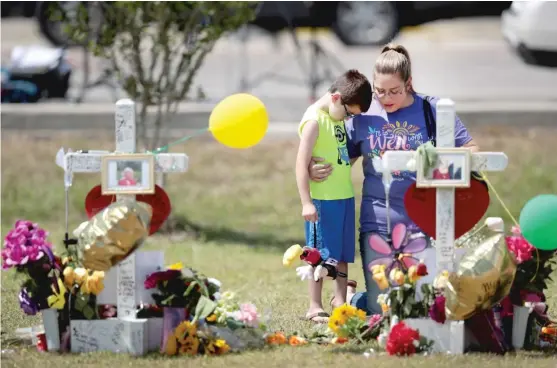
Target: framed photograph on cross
[(128, 174), (452, 170)]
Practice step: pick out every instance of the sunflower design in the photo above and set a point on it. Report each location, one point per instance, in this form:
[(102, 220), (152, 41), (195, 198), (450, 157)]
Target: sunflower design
[(189, 346), (184, 331), (217, 347), (398, 129)]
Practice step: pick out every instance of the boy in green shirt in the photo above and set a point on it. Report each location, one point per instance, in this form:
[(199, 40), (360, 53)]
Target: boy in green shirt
[(328, 207)]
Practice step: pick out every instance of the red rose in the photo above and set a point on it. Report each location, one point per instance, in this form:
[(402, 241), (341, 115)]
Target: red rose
[(153, 279), (421, 270), (402, 340)]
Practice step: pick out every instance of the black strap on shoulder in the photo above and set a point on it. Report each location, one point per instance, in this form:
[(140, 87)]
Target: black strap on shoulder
[(429, 120)]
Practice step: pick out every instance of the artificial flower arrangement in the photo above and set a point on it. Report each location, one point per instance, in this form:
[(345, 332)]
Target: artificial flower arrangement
[(401, 300), (50, 281), (217, 327), (83, 286), (181, 287), (534, 268), (27, 250)]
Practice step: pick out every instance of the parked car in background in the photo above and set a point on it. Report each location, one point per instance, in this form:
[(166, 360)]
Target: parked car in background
[(364, 23), (530, 28)]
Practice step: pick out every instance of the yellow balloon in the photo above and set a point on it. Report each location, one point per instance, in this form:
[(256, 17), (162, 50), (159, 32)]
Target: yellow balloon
[(239, 121)]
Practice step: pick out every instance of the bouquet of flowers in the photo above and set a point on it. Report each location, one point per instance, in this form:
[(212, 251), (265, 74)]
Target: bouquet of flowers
[(349, 323), (401, 301), (27, 250), (404, 341), (534, 267), (181, 287), (82, 287), (218, 327)]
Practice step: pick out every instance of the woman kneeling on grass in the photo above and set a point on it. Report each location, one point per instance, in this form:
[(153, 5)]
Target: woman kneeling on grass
[(398, 119)]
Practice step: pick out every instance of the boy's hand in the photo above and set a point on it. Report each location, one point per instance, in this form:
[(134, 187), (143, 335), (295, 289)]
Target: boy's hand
[(309, 212)]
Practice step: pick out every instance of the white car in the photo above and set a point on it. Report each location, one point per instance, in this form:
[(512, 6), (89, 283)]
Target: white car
[(530, 27)]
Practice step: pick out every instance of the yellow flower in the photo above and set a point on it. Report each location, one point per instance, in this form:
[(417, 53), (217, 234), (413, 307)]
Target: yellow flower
[(80, 275), (217, 347), (381, 280), (378, 269), (336, 322), (189, 346), (66, 260), (171, 346), (184, 331), (384, 308), (397, 276), (361, 314), (211, 318), (176, 266), (413, 274), (57, 300), (441, 280), (344, 312), (94, 284), (69, 276)]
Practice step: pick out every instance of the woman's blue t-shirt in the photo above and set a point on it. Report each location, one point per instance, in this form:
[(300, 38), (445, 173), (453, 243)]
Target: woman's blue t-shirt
[(376, 131)]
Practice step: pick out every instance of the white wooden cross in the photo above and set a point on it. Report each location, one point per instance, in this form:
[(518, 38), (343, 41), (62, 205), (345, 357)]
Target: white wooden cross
[(445, 197), (90, 162)]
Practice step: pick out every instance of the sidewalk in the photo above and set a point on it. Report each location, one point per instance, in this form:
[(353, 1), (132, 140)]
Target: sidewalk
[(283, 112)]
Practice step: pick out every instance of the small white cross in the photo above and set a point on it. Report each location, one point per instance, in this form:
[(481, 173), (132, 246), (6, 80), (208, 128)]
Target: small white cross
[(90, 162), (445, 197)]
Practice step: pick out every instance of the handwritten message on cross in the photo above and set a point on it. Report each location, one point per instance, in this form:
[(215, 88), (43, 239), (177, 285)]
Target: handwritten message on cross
[(445, 196), (91, 162)]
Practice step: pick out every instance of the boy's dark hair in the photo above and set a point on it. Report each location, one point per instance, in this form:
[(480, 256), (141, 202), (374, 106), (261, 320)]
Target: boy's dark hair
[(354, 89)]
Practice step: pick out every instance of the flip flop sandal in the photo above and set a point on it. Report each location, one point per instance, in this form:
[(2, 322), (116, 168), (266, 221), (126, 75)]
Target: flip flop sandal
[(318, 317), (350, 283)]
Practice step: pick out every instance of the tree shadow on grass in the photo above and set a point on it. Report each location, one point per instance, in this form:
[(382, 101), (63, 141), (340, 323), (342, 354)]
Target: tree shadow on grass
[(181, 224)]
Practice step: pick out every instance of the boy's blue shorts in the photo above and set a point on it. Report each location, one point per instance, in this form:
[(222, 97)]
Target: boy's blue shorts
[(335, 229)]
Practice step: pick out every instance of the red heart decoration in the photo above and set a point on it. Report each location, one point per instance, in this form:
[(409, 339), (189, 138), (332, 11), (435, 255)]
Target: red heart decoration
[(95, 202), (470, 206)]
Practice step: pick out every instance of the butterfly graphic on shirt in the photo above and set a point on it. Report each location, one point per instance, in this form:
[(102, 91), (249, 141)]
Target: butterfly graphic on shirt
[(398, 254)]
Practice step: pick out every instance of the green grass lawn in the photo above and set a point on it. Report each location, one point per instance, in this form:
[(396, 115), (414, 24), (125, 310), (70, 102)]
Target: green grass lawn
[(240, 211)]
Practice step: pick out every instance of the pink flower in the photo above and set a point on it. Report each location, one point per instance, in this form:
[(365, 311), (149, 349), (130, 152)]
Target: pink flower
[(247, 314), (374, 320), (437, 310), (521, 249), (26, 242)]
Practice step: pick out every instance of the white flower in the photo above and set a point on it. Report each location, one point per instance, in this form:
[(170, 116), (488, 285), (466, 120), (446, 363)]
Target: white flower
[(215, 282), (416, 343), (382, 299), (382, 339)]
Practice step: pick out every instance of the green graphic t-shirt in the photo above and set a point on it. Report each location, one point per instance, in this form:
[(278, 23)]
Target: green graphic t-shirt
[(330, 145)]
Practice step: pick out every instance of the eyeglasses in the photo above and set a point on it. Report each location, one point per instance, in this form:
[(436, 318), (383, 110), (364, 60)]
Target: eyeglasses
[(349, 115), (382, 93)]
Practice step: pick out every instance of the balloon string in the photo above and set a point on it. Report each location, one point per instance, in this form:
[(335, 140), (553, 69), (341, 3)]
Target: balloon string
[(183, 139), (492, 188)]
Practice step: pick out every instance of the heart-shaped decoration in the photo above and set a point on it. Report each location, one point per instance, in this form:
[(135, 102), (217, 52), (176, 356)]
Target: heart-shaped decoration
[(95, 202), (470, 206)]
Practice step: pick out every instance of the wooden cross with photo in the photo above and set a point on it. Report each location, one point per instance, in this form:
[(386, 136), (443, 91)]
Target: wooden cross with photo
[(116, 179), (451, 171)]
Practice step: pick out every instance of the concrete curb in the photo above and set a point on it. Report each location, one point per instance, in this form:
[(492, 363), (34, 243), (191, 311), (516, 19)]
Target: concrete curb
[(65, 117)]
